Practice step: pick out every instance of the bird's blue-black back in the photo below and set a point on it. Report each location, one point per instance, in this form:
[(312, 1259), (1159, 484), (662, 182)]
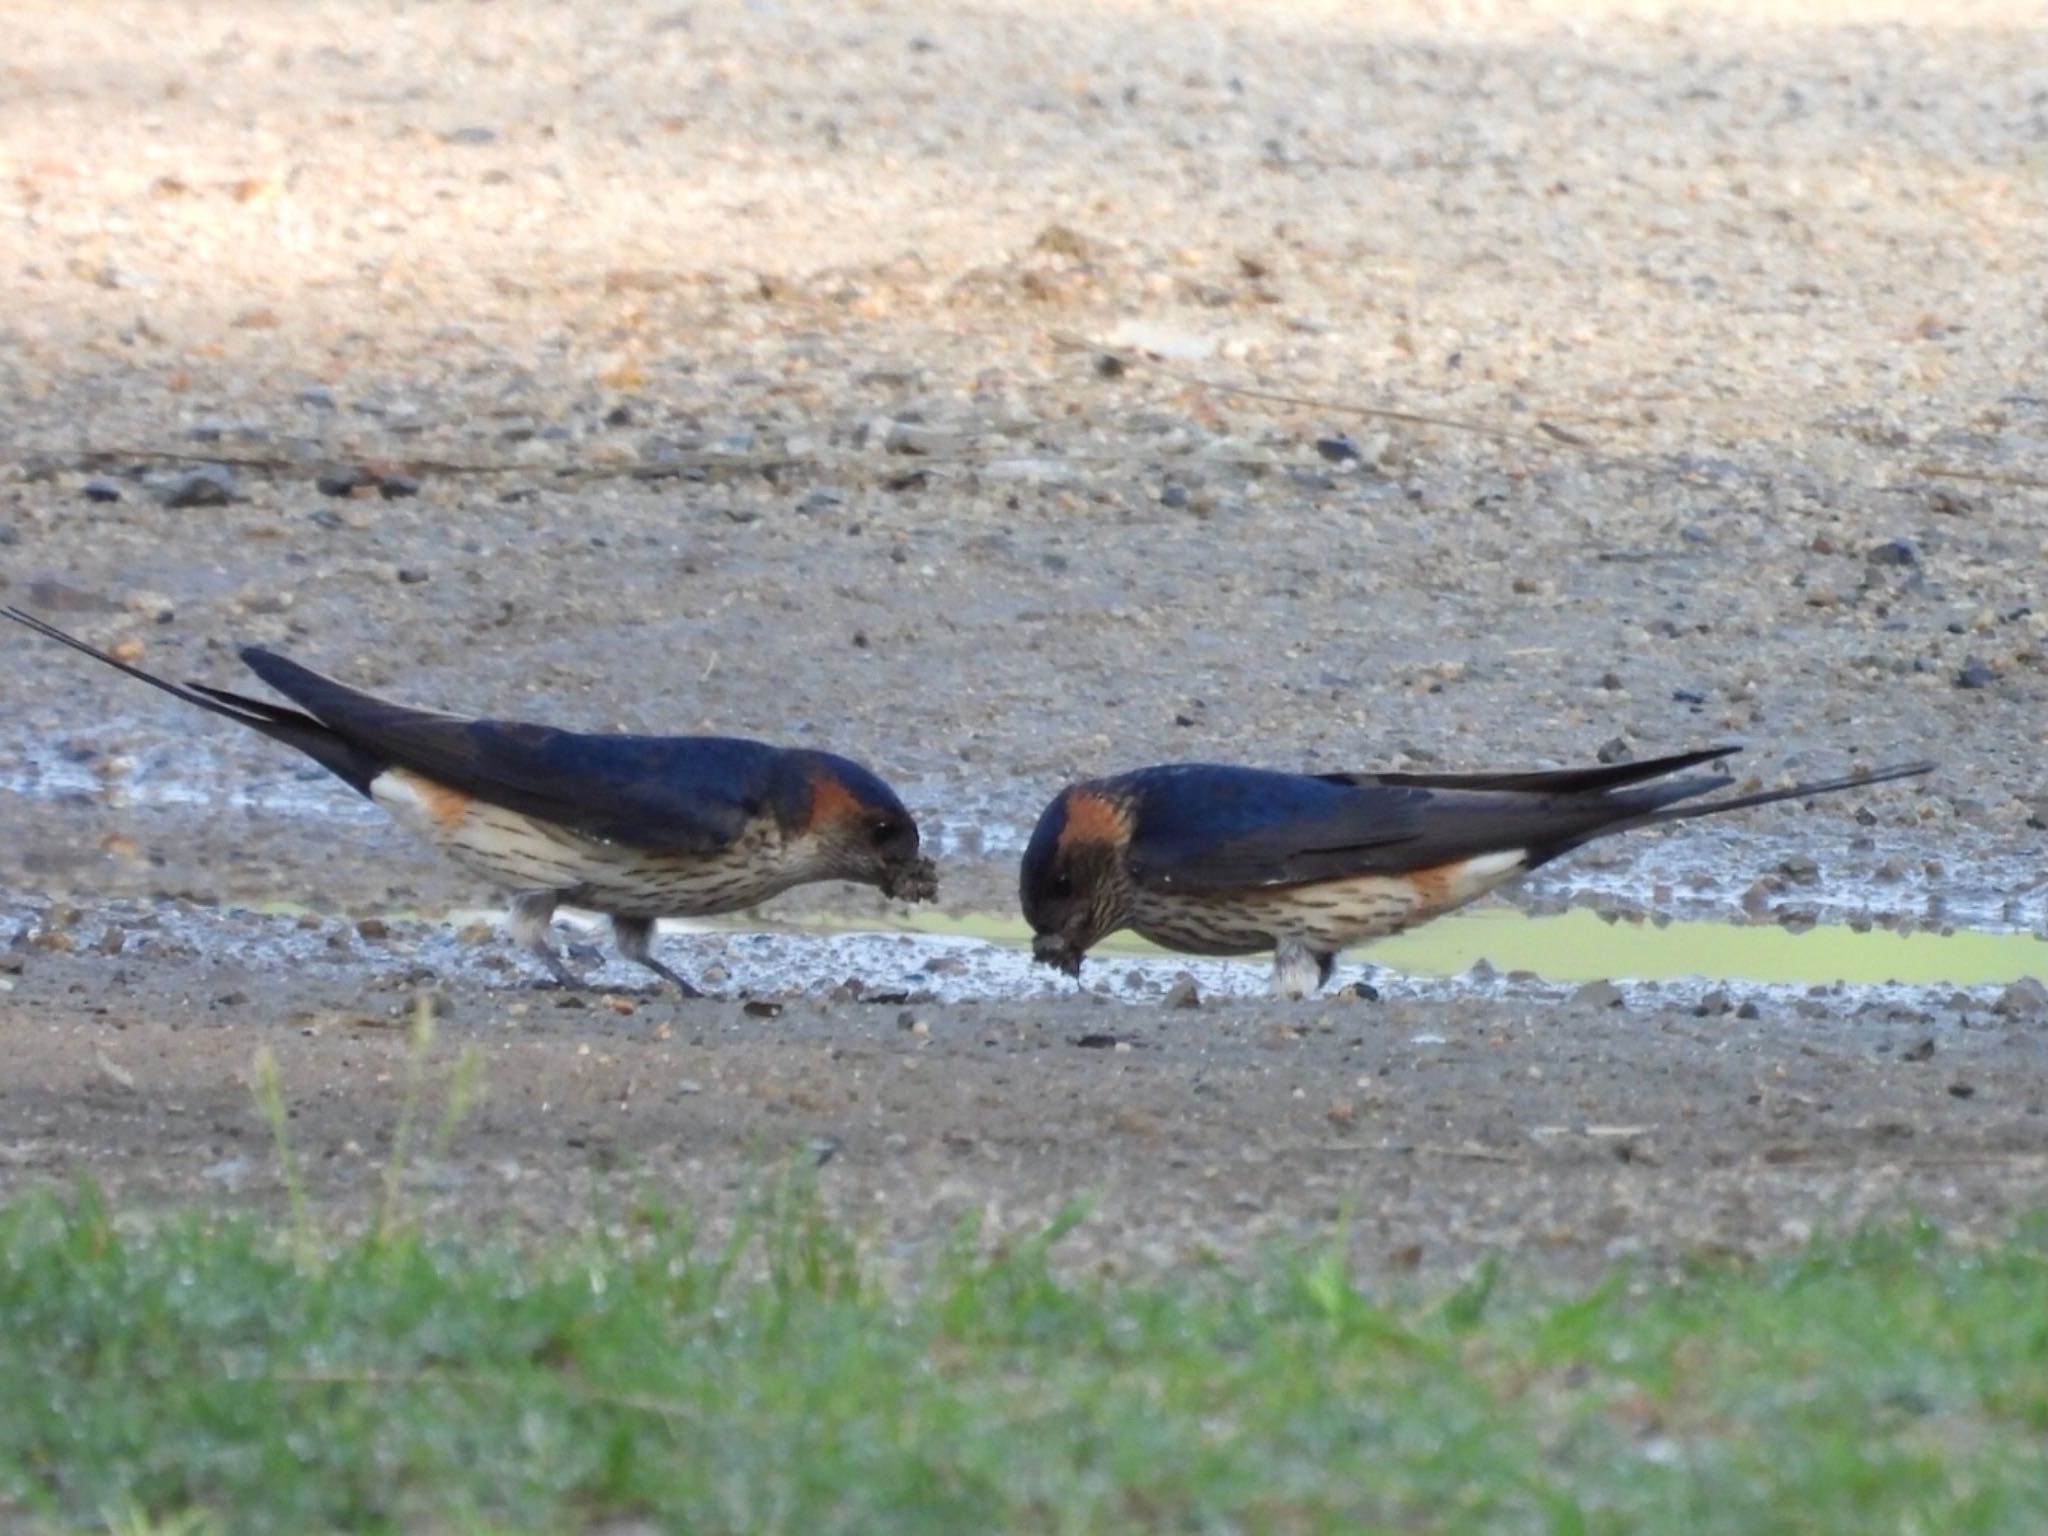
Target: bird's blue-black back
[(1208, 826), (668, 794)]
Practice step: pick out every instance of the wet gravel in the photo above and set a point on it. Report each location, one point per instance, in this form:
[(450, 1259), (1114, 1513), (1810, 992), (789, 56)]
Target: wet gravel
[(858, 406)]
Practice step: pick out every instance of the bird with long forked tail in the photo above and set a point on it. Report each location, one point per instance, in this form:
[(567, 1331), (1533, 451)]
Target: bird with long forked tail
[(1216, 860), (634, 827)]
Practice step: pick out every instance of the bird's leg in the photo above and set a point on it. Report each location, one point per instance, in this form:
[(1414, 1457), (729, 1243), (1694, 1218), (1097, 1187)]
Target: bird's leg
[(532, 913), (1299, 971), (635, 938)]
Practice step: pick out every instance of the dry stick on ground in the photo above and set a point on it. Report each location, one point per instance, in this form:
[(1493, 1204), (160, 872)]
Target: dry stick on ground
[(1553, 434), (1471, 1152), (1988, 476), (837, 464), (747, 461), (181, 456), (1548, 434)]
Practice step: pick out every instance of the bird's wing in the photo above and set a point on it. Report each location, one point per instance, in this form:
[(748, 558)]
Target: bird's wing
[(1215, 829), (1222, 829), (663, 794), (1550, 781)]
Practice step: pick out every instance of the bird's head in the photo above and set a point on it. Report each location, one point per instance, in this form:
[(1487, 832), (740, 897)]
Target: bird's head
[(861, 832), (1075, 884)]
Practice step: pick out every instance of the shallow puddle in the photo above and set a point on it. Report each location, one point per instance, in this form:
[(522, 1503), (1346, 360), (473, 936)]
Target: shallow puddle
[(1585, 946), (983, 958)]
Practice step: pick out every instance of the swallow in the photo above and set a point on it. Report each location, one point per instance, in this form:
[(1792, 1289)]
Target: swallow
[(1215, 860), (633, 827)]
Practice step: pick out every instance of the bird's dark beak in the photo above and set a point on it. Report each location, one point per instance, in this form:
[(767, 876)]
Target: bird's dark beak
[(912, 879), (1053, 949)]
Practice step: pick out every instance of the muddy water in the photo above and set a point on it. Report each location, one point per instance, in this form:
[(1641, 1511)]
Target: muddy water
[(1491, 951), (1584, 945)]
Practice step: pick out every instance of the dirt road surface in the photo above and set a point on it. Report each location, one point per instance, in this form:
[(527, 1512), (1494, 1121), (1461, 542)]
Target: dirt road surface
[(999, 393)]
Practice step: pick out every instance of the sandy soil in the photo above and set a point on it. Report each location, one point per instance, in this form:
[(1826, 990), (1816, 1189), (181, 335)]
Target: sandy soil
[(842, 374)]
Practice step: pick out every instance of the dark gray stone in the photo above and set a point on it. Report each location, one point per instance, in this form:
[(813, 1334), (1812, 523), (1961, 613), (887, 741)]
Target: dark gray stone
[(209, 485)]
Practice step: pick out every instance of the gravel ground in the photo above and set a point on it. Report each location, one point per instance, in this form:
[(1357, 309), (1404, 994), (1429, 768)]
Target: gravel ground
[(998, 394)]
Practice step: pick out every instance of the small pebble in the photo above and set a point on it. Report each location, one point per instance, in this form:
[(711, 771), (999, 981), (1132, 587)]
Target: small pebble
[(1893, 552), (97, 489), (1183, 994), (210, 485), (914, 437), (1800, 869), (1976, 674), (342, 482), (2026, 998)]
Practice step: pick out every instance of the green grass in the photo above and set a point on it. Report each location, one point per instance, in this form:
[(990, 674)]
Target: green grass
[(201, 1374)]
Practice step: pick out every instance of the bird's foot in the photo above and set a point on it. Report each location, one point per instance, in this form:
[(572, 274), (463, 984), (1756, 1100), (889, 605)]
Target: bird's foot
[(561, 976), (674, 979)]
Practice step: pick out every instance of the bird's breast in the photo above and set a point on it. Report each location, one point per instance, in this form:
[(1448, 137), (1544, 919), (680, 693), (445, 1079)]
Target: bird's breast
[(524, 852), (1328, 915)]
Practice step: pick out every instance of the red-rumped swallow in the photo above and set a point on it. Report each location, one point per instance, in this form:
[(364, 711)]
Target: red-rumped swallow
[(1217, 860), (633, 827)]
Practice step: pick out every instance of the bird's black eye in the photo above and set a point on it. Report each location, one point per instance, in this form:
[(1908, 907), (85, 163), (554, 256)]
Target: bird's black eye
[(1063, 885), (881, 832)]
